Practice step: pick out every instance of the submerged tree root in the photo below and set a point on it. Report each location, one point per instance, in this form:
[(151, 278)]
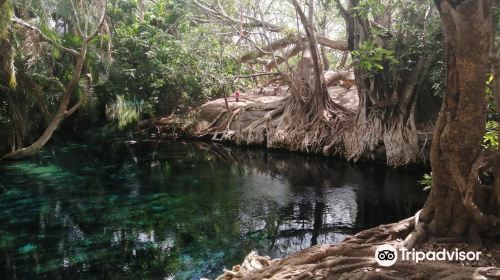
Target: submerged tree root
[(354, 259)]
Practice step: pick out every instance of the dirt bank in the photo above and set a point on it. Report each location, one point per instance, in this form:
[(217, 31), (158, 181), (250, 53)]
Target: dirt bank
[(257, 118)]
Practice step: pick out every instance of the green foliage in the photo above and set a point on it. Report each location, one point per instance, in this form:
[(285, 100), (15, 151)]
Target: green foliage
[(490, 98), (125, 112), (417, 34), (165, 64), (426, 181), (289, 33), (7, 54), (164, 61), (437, 76), (372, 58), (490, 138), (35, 71), (366, 8)]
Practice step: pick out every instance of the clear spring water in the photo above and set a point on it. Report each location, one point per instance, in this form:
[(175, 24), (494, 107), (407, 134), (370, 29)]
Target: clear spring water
[(171, 210)]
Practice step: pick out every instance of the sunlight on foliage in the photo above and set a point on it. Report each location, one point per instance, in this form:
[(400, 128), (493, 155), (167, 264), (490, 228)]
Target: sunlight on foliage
[(490, 97), (124, 112), (372, 58), (490, 138), (365, 8), (426, 181)]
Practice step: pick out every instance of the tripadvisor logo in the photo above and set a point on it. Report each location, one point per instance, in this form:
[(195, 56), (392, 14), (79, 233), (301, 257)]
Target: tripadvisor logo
[(387, 255)]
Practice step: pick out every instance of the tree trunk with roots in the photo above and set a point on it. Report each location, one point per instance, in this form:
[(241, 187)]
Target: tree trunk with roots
[(309, 121), (306, 121), (387, 100), (310, 112), (457, 204)]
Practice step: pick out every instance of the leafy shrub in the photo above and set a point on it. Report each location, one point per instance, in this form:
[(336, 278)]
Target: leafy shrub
[(372, 58), (426, 181), (490, 138)]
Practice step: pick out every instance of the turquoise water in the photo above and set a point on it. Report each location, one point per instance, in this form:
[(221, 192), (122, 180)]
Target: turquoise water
[(173, 210)]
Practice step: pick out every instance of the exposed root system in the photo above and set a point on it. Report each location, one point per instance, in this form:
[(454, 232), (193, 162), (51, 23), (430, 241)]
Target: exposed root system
[(296, 123), (354, 259)]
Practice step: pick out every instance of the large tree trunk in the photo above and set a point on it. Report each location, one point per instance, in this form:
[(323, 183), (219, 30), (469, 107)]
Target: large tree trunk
[(308, 120), (454, 205), (385, 120)]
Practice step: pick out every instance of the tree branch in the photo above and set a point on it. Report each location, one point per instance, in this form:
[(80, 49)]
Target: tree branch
[(43, 36), (293, 52), (312, 46), (81, 101), (77, 19), (256, 23), (285, 42), (343, 12), (257, 75), (101, 22)]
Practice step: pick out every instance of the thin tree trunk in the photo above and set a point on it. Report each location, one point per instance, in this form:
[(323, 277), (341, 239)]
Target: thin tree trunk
[(343, 60), (60, 115), (63, 111), (326, 63), (140, 11), (225, 98)]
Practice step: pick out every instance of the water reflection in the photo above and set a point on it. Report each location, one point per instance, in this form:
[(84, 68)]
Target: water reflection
[(181, 210)]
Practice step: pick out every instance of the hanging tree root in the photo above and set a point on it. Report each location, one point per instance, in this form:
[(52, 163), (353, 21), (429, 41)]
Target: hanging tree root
[(246, 125), (354, 259), (296, 123), (370, 131), (309, 120), (304, 121)]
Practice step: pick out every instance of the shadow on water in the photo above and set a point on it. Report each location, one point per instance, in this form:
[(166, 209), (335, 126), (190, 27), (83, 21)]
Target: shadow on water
[(182, 210)]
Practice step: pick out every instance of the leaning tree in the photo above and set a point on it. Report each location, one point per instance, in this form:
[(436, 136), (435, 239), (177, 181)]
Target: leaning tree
[(87, 20), (393, 45)]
